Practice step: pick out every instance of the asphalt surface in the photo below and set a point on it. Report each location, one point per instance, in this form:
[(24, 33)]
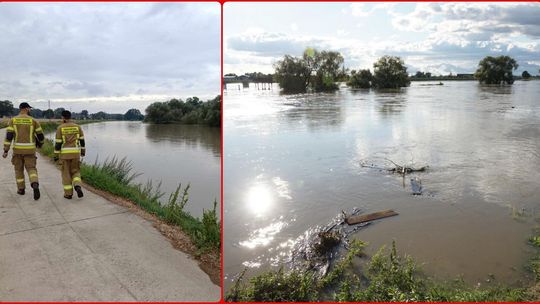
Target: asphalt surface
[(86, 249)]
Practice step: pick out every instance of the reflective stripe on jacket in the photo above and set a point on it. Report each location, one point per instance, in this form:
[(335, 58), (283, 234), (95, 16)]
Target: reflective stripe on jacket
[(69, 141), (23, 131)]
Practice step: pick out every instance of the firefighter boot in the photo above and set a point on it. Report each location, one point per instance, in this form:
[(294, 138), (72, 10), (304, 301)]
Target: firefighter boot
[(37, 194), (79, 191)]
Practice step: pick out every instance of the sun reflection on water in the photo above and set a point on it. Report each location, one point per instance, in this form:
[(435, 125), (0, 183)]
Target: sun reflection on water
[(259, 199), (263, 236)]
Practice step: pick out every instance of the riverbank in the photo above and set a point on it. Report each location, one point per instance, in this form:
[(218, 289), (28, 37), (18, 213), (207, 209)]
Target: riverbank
[(200, 238), (385, 277), (209, 260)]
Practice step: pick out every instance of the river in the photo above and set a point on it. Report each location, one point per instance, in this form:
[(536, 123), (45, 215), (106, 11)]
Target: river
[(171, 154), (292, 162)]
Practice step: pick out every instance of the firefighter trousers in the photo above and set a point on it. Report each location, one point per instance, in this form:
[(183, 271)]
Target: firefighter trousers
[(22, 161), (71, 174)]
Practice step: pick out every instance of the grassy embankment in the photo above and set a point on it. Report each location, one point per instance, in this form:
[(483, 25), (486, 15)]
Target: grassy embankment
[(115, 176), (387, 277)]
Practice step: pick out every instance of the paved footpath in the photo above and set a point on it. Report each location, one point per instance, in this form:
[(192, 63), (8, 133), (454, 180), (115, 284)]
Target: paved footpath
[(86, 249)]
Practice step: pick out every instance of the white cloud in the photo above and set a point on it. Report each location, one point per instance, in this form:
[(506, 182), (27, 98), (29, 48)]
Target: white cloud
[(365, 9), (73, 51), (436, 37)]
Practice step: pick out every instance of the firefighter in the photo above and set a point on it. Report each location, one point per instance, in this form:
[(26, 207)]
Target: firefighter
[(69, 147), (26, 134)]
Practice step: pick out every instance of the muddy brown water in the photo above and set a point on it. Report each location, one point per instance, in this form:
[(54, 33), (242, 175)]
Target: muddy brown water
[(294, 162), (171, 154)]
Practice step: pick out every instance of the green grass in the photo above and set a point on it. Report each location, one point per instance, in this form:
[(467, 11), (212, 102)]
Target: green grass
[(49, 126), (388, 277), (116, 177)]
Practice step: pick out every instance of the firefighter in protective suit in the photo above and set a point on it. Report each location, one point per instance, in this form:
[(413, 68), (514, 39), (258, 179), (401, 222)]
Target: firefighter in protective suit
[(69, 147), (26, 134)]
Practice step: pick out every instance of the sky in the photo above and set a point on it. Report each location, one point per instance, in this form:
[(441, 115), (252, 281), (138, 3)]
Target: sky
[(436, 37), (108, 56)]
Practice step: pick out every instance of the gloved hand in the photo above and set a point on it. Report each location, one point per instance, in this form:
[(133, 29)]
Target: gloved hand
[(83, 152), (39, 144), (55, 158), (5, 154)]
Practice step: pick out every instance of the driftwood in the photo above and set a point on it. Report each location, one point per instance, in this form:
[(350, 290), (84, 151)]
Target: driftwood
[(399, 169), (407, 170), (403, 169), (357, 219)]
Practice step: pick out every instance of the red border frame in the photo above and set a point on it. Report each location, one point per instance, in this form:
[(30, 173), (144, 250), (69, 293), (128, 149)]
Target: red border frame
[(222, 3)]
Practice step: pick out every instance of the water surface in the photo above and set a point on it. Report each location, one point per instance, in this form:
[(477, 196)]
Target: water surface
[(294, 162), (171, 154)]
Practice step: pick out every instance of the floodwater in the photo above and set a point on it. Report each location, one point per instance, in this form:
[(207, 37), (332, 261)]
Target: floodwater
[(171, 154), (294, 162)]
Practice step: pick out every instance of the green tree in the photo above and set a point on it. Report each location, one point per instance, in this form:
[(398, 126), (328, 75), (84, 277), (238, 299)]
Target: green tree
[(158, 112), (328, 68), (293, 74), (58, 112), (390, 72), (525, 75), (496, 70), (36, 113), (6, 108), (99, 115), (49, 114), (361, 79), (84, 114), (320, 70), (133, 114), (192, 111)]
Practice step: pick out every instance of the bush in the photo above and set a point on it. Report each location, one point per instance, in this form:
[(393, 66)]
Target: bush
[(388, 278), (191, 111), (390, 72), (275, 286), (496, 70), (360, 80), (320, 70)]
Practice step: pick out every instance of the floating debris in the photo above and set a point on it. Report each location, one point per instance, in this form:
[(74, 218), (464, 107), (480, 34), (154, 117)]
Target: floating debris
[(399, 169), (416, 186), (318, 246), (358, 219)]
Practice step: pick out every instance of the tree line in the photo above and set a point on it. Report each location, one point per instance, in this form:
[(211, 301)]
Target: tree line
[(7, 109), (191, 111), (319, 71)]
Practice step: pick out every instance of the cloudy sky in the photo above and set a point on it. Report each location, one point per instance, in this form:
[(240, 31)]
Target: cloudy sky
[(432, 37), (108, 56)]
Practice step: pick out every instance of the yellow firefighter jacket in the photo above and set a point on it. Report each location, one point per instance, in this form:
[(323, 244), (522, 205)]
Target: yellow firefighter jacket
[(25, 132), (69, 141)]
